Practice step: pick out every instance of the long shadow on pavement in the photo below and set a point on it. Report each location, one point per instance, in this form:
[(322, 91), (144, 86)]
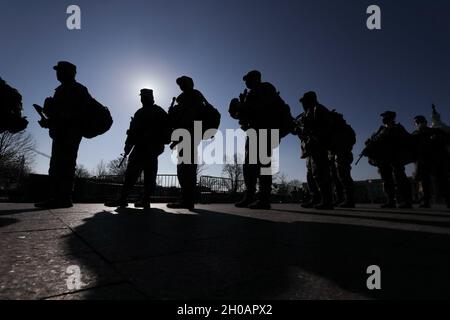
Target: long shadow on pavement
[(211, 255)]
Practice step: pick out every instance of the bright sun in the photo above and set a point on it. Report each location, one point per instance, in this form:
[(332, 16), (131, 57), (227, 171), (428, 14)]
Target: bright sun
[(160, 93)]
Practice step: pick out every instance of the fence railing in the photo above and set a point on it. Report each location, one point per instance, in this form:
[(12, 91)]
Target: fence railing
[(220, 185)]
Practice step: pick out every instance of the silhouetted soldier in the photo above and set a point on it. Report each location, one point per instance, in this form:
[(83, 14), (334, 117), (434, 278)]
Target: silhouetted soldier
[(189, 108), (11, 109), (341, 140), (65, 112), (255, 110), (304, 134), (314, 132), (390, 149), (338, 189), (149, 132), (431, 144)]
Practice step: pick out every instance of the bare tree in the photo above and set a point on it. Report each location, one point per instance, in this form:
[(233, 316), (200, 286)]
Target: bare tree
[(284, 186), (115, 169), (101, 169), (16, 154), (82, 172), (234, 171)]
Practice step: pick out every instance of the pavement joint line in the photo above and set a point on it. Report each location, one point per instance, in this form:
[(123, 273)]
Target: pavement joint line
[(35, 230), (84, 290), (440, 213), (381, 219), (391, 219)]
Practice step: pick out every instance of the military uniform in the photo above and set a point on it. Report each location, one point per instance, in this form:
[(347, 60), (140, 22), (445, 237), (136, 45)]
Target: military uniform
[(431, 144), (394, 146), (316, 133), (188, 110), (256, 112), (65, 112), (149, 132), (343, 138), (338, 189)]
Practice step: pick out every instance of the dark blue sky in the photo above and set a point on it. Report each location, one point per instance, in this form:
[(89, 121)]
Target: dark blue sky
[(298, 45)]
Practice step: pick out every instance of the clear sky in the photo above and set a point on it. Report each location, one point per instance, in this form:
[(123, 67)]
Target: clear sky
[(297, 45)]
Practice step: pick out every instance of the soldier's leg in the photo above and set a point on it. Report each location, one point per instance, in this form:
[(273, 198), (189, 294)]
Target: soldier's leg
[(265, 171), (312, 185), (403, 186), (387, 176), (344, 162), (321, 173), (62, 166), (423, 177), (250, 173), (150, 173), (313, 190), (132, 174), (187, 176)]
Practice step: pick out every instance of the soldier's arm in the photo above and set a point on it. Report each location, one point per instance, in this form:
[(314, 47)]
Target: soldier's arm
[(131, 133)]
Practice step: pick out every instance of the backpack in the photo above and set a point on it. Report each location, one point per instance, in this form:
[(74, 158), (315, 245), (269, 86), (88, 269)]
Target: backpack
[(11, 110), (283, 117), (341, 129), (211, 118), (98, 120)]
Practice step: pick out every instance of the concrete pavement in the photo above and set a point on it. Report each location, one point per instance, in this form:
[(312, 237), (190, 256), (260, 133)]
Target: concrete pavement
[(220, 252)]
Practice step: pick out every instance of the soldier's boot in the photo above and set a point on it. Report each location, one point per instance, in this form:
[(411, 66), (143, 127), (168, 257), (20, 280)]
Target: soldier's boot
[(405, 205), (118, 203), (407, 201), (261, 205), (389, 205), (263, 202), (339, 196), (181, 205), (347, 204), (327, 199), (248, 199), (425, 204), (349, 201), (324, 206), (338, 201), (143, 203), (54, 204), (311, 203)]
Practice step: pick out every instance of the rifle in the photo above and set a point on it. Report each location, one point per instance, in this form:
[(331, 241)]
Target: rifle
[(44, 120), (174, 100), (360, 157), (173, 144), (124, 157)]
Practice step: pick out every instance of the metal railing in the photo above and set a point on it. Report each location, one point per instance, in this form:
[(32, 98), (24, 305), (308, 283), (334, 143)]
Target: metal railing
[(220, 185)]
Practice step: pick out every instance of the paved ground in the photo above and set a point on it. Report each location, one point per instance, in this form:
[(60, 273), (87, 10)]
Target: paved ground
[(221, 252)]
